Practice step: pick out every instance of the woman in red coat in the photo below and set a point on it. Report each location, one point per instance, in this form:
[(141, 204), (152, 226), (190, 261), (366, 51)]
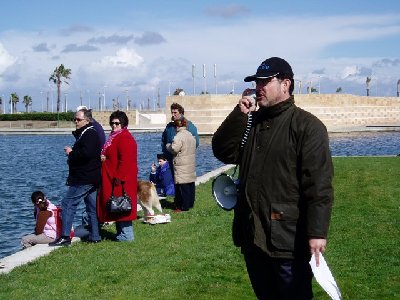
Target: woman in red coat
[(119, 162)]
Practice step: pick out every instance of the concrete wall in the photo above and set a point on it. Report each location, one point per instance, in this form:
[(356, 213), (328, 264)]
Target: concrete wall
[(339, 112), (103, 117)]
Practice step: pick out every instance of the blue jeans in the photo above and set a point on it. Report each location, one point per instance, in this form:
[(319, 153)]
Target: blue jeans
[(124, 231), (69, 204)]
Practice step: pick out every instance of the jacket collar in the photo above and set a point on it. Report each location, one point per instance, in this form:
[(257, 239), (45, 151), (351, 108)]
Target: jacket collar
[(77, 133), (273, 111)]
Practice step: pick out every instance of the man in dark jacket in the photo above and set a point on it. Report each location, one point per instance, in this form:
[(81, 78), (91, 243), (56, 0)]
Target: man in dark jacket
[(285, 192), (83, 178)]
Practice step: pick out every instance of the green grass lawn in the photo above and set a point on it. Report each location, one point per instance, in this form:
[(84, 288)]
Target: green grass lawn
[(193, 256)]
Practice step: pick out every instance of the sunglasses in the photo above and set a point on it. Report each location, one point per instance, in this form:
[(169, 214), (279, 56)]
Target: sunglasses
[(115, 123), (265, 81), (78, 120)]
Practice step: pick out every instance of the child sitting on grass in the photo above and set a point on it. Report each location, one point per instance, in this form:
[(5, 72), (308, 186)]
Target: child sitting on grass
[(46, 228), (162, 177)]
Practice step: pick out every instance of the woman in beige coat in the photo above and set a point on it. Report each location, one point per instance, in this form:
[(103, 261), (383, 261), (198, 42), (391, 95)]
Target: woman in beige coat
[(183, 148)]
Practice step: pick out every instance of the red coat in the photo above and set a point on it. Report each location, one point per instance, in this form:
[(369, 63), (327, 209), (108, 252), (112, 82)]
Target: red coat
[(120, 163)]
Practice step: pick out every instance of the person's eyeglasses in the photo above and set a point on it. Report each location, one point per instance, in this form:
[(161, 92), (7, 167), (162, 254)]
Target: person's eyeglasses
[(78, 120), (115, 123)]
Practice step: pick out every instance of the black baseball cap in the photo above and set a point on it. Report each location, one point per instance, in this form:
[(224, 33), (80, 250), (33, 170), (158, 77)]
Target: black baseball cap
[(271, 67)]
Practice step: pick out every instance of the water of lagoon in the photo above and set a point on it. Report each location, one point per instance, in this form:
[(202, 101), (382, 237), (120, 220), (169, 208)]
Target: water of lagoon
[(34, 162)]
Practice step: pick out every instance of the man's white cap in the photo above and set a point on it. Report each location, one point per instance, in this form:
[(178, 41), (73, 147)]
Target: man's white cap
[(81, 107)]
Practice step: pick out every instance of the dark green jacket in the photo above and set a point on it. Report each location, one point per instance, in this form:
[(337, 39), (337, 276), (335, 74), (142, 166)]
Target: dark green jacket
[(286, 172)]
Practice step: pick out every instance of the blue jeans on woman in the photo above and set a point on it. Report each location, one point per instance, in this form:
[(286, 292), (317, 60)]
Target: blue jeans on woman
[(124, 231), (69, 204)]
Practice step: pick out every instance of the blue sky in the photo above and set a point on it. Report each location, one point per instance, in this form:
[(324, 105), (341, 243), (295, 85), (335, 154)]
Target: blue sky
[(137, 49)]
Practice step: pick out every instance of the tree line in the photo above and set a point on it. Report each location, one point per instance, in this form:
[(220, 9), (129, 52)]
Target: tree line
[(59, 76)]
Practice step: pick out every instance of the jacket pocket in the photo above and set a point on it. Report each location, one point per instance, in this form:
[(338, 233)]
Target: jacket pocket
[(284, 217)]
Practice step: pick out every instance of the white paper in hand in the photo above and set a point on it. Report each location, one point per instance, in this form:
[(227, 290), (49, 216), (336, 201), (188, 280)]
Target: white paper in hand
[(324, 277)]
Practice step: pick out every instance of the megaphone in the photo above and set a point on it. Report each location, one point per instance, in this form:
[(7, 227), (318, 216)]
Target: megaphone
[(224, 190)]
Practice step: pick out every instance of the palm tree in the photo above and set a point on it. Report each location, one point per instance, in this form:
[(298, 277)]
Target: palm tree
[(339, 90), (59, 73), (14, 100), (27, 101)]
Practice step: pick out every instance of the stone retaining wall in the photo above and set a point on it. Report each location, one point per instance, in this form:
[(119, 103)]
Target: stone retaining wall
[(339, 112)]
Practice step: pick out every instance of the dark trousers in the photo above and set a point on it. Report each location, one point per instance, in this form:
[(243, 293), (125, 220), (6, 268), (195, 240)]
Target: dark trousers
[(278, 278), (185, 195)]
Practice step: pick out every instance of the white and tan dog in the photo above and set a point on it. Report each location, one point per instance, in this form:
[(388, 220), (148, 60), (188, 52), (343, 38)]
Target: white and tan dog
[(147, 197)]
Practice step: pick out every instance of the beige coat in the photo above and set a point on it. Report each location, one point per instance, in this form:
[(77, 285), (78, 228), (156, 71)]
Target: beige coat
[(183, 148)]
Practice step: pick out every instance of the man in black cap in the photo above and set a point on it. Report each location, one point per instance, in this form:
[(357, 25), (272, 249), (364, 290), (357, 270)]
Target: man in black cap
[(285, 193)]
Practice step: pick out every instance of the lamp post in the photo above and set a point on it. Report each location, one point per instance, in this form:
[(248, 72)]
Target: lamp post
[(65, 102), (104, 98), (127, 100), (88, 92), (205, 80), (41, 97), (215, 78), (194, 88), (367, 82), (158, 98), (319, 84), (299, 86)]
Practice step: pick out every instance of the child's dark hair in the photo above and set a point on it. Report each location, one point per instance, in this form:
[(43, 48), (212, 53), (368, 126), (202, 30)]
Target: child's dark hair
[(36, 196)]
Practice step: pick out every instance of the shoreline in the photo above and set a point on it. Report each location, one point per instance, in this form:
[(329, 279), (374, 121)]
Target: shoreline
[(160, 129)]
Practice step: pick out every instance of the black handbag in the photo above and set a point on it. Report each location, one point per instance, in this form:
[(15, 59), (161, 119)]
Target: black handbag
[(120, 204)]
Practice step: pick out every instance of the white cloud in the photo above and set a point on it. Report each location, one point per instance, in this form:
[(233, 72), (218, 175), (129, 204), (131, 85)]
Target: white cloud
[(124, 58), (6, 60)]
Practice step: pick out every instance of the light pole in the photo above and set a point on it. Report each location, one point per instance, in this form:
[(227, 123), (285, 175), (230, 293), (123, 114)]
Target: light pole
[(66, 105), (367, 82), (88, 92), (158, 98), (319, 84), (41, 97), (299, 86), (398, 88), (205, 80), (194, 88), (104, 95), (127, 100), (215, 77)]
